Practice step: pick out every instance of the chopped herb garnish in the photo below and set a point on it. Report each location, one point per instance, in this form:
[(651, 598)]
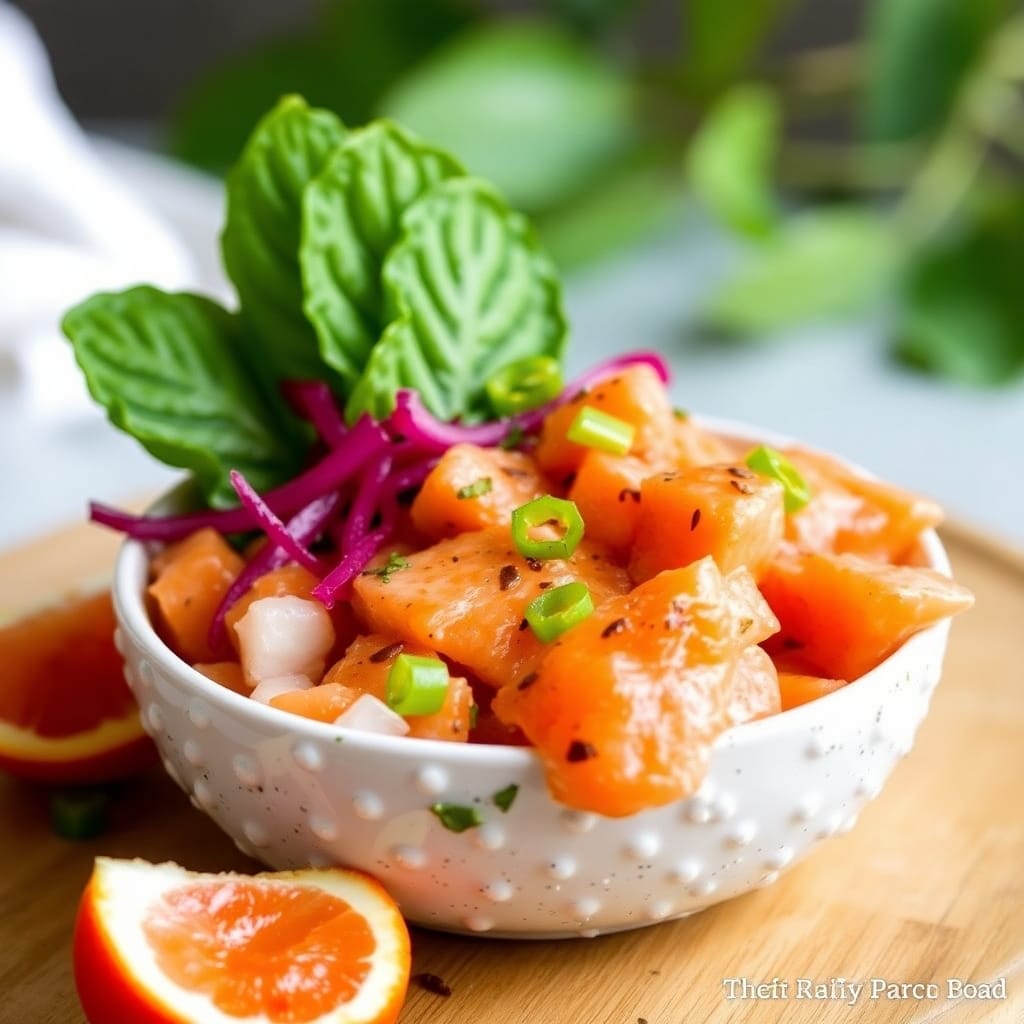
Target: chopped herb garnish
[(395, 563), (474, 714), (457, 817), (680, 414), (476, 489), (504, 798), (79, 813)]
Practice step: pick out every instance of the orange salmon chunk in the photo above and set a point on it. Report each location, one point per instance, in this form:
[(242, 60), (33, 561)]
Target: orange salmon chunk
[(466, 598), (446, 504), (625, 706), (753, 688), (842, 615), (636, 396), (365, 669), (192, 578), (851, 514), (606, 490), (727, 512)]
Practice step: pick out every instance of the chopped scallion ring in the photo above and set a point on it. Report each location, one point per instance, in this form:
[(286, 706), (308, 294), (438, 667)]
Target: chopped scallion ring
[(595, 429), (769, 462), (559, 609), (540, 512), (417, 686), (524, 385)]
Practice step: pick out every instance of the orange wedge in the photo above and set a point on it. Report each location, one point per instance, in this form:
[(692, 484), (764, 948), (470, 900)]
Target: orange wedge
[(155, 944), (66, 713)]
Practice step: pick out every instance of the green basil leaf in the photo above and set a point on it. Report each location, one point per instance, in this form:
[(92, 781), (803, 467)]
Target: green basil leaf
[(471, 291), (168, 369), (260, 242), (963, 313), (522, 104), (351, 217), (918, 54), (820, 264), (731, 159)]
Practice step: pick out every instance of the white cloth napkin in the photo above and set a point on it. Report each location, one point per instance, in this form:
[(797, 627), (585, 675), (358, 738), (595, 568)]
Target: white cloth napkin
[(67, 226)]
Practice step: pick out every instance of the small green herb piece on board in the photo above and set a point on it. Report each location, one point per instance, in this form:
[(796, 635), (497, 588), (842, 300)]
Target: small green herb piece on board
[(457, 817)]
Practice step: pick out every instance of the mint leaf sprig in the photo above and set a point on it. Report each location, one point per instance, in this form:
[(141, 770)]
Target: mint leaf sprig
[(366, 259)]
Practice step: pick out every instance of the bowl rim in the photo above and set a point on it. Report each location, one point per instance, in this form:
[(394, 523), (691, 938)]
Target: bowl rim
[(131, 568)]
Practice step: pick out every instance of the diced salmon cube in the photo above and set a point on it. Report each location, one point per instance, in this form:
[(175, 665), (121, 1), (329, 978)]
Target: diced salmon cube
[(446, 504), (466, 598), (728, 512)]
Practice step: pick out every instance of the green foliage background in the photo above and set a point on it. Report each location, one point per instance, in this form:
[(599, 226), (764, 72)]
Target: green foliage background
[(914, 206)]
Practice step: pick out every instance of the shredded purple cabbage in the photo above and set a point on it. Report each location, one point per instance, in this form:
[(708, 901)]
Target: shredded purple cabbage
[(277, 533), (314, 401), (304, 528), (365, 440), (366, 470)]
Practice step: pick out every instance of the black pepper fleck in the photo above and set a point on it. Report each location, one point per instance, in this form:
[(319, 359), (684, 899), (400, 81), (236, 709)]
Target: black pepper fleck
[(741, 471), (527, 681), (695, 519), (580, 750), (616, 626), (508, 577), (738, 485), (387, 653), (544, 584), (629, 492), (535, 564)]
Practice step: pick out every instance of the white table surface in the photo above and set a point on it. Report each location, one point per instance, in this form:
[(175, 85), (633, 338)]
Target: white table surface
[(832, 387)]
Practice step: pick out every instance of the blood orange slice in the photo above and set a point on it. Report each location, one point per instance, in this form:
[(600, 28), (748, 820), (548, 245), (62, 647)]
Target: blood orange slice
[(155, 944), (66, 713)]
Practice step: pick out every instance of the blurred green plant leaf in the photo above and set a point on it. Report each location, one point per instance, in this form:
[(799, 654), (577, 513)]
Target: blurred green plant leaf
[(260, 241), (351, 216), (593, 16), (471, 291), (730, 162), (616, 212), (723, 37), (964, 307), (523, 104), (356, 49), (820, 264), (918, 54)]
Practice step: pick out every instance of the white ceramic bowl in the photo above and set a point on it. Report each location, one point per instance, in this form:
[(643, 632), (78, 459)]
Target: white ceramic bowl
[(294, 792)]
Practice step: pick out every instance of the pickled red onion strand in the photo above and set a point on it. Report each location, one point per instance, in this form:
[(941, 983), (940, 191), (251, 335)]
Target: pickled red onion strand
[(364, 505), (353, 562), (314, 401), (364, 441), (305, 527), (277, 533)]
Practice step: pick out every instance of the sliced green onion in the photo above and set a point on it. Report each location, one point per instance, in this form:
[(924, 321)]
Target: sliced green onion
[(457, 817), (417, 686), (524, 384), (395, 563), (559, 609), (539, 512), (504, 798), (770, 462), (595, 429), (476, 489), (79, 813)]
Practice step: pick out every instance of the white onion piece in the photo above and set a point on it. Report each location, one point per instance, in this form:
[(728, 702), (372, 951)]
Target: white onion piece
[(368, 714), (284, 636), (267, 689)]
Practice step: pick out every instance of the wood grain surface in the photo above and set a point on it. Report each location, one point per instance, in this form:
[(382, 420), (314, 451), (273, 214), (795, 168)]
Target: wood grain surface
[(928, 886)]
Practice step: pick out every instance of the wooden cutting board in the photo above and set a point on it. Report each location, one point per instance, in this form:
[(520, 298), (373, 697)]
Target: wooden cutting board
[(928, 886)]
